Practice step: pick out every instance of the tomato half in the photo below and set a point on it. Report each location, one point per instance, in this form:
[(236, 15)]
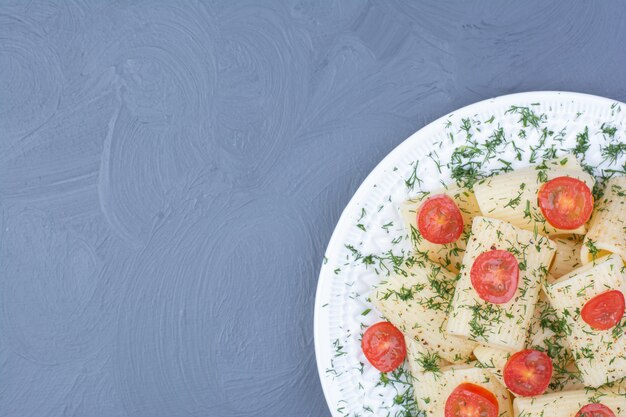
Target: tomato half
[(384, 347), (604, 311), (439, 219), (495, 275), (528, 373), (565, 202), (595, 410), (471, 400)]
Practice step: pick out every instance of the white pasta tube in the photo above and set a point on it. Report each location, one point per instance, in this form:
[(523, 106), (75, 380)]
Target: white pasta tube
[(418, 304), (600, 355), (434, 388), (568, 403), (450, 254), (607, 229), (512, 196), (567, 257), (546, 333), (500, 325)]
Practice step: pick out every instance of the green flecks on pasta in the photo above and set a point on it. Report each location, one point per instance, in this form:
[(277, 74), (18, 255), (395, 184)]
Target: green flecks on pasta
[(479, 148)]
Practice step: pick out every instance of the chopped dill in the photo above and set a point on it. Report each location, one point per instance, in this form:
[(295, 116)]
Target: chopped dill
[(593, 250), (608, 130), (582, 143), (466, 126), (363, 213), (527, 116), (413, 178), (613, 151), (429, 361)]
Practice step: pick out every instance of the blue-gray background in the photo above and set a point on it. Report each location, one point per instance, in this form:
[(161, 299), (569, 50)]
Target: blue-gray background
[(170, 174)]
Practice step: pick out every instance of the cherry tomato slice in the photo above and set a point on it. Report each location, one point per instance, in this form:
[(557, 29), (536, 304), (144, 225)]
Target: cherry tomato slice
[(439, 219), (565, 202), (471, 400), (528, 373), (495, 275), (604, 311), (383, 346), (595, 410)]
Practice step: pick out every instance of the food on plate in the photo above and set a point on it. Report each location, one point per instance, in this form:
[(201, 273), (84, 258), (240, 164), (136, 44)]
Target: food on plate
[(516, 196), (447, 391), (383, 346), (471, 399), (605, 402), (607, 228), (567, 256), (590, 301), (495, 275), (442, 389), (546, 333), (418, 305), (565, 202), (500, 325), (430, 217), (439, 220), (528, 373), (604, 311), (595, 410), (507, 298)]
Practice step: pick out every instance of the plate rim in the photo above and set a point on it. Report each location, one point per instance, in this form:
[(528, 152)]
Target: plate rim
[(319, 337)]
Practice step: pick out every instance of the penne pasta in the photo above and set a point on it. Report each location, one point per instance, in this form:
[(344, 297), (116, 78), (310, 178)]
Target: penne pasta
[(500, 325), (513, 303), (568, 403), (607, 229), (433, 388), (512, 196), (567, 257), (451, 254), (545, 333), (600, 355), (418, 305)]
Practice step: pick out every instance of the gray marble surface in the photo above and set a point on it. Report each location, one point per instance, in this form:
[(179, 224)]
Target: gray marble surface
[(171, 172)]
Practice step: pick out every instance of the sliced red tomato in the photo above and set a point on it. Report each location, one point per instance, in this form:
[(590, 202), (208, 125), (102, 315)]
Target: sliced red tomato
[(471, 400), (595, 410), (565, 202), (604, 311), (439, 219), (495, 275), (528, 373), (383, 346)]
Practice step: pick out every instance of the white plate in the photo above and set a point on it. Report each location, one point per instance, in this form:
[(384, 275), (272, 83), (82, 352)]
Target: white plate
[(351, 386)]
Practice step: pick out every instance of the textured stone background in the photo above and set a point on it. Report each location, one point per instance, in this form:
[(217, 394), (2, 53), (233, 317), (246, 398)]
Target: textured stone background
[(170, 173)]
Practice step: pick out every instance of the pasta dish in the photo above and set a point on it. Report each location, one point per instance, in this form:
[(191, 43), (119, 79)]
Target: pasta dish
[(514, 305)]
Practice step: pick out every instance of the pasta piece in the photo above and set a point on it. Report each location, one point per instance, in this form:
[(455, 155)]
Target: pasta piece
[(421, 359), (417, 305), (432, 389), (607, 229), (492, 359), (448, 255), (567, 257), (546, 333), (545, 324), (513, 196), (500, 325), (599, 354), (568, 403), (539, 332)]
